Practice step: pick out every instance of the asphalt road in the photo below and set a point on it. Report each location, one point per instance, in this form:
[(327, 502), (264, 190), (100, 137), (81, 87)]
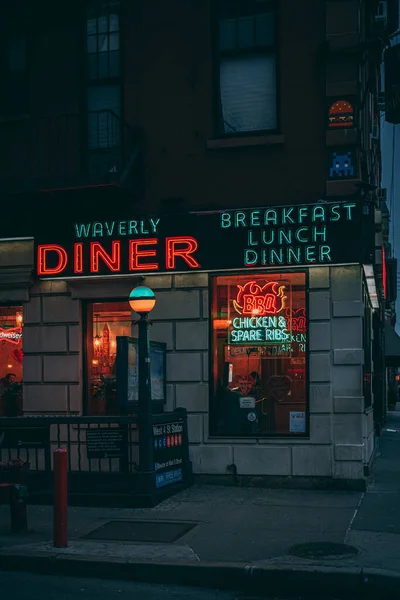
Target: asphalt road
[(25, 586)]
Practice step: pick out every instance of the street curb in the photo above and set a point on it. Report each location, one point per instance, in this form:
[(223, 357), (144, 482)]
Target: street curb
[(276, 580)]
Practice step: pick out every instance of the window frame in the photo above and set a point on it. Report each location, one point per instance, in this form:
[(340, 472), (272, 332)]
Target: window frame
[(116, 81), (217, 126), (85, 349), (21, 305), (215, 434)]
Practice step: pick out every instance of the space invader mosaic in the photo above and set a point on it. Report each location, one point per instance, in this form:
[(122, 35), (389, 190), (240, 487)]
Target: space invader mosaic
[(341, 164)]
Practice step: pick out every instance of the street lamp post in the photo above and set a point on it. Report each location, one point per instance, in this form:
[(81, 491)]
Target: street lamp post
[(142, 300)]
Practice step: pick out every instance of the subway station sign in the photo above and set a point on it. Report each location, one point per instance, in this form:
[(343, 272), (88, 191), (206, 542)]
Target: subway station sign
[(301, 235)]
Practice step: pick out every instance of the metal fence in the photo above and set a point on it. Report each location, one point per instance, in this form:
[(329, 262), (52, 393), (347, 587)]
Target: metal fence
[(65, 146)]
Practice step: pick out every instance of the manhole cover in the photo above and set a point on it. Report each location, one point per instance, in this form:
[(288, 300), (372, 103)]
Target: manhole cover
[(322, 550), (140, 531)]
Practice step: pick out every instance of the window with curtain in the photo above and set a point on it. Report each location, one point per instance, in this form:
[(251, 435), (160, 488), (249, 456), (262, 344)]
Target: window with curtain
[(247, 98)]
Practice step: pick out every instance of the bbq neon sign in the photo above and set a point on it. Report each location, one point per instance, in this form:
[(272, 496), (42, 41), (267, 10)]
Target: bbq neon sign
[(253, 299), (263, 305)]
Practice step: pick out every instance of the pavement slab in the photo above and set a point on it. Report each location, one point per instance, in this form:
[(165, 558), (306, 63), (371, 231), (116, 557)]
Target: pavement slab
[(237, 530)]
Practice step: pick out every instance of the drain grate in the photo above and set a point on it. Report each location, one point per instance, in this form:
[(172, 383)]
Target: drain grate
[(141, 531), (322, 550)]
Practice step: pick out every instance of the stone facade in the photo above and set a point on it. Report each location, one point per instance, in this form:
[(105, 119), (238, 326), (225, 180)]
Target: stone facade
[(341, 439)]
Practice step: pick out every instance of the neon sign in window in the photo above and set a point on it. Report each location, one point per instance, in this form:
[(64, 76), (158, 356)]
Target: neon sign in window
[(259, 355)]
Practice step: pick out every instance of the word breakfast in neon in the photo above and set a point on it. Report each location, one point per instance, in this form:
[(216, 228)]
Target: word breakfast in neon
[(287, 235)]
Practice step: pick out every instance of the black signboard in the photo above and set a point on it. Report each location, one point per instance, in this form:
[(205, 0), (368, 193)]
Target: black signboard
[(273, 236), (127, 373), (170, 444), (105, 443), (24, 437)]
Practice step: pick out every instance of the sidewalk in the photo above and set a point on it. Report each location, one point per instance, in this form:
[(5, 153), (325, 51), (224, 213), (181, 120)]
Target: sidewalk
[(246, 527)]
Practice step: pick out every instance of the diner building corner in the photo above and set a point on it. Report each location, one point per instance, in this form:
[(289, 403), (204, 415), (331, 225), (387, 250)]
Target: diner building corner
[(262, 406)]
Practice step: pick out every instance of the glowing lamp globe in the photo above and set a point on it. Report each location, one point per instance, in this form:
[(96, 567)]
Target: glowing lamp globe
[(142, 300)]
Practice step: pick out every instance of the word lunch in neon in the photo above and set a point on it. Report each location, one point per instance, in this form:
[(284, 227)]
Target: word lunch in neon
[(288, 235)]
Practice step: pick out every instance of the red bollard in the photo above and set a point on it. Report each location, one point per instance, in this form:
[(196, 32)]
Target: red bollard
[(60, 498)]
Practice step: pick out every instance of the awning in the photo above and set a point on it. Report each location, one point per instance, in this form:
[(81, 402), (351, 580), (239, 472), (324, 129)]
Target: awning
[(392, 347)]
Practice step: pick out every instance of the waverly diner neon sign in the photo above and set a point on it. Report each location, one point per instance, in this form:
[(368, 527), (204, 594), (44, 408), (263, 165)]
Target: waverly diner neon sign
[(207, 241), (142, 255)]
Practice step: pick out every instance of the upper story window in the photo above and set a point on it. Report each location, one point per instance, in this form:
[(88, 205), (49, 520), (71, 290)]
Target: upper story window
[(247, 97), (103, 37), (13, 75)]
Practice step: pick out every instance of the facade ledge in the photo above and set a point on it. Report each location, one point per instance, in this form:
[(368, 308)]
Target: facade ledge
[(239, 142), (347, 187), (343, 137)]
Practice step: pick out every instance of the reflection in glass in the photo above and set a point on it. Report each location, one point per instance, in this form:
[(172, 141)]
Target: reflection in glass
[(259, 354)]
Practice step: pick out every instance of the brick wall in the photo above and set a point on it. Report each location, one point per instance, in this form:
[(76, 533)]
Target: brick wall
[(52, 368)]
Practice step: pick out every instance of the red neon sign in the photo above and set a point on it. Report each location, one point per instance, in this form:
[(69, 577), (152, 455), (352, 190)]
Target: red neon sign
[(253, 299), (172, 249), (53, 259), (12, 335), (296, 320), (113, 262), (135, 254), (43, 251)]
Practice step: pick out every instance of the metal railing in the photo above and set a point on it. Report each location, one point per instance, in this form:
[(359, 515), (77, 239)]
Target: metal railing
[(98, 143), (33, 439)]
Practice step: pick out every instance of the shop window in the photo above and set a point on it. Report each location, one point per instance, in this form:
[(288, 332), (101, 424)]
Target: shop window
[(259, 360), (11, 327), (105, 321)]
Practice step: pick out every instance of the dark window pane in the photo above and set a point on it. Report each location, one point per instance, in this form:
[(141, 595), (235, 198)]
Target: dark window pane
[(103, 43), (246, 32), (227, 34), (92, 44), (248, 93), (104, 71), (91, 26), (103, 125), (114, 63), (92, 66), (114, 41), (113, 23), (265, 30), (102, 24)]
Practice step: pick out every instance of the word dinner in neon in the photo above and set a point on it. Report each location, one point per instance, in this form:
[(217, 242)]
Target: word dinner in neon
[(141, 256), (288, 235)]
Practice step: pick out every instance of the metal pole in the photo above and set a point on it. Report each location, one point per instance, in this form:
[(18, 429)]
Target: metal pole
[(60, 498), (145, 404)]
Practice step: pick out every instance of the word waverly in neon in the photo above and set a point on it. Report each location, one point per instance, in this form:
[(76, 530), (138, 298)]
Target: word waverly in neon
[(116, 228)]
